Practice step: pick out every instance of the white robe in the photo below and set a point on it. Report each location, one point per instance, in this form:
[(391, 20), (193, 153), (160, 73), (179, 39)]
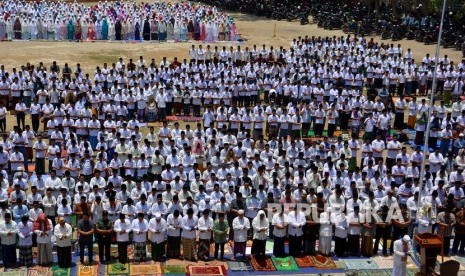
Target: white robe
[(400, 266)]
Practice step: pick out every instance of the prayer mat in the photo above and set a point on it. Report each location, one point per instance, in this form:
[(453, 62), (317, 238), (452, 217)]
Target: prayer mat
[(372, 272), (146, 269), (39, 271), (198, 270), (15, 272), (174, 270), (284, 264), (240, 266), (183, 118), (385, 262), (305, 261), (118, 269), (269, 247), (58, 271), (262, 264), (340, 264), (87, 270), (358, 264), (323, 262)]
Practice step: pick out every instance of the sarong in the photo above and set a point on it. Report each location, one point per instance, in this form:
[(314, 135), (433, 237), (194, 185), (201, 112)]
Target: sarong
[(204, 249), (25, 255), (188, 248), (367, 246), (239, 247), (140, 251), (44, 254), (258, 247), (411, 121), (324, 246)]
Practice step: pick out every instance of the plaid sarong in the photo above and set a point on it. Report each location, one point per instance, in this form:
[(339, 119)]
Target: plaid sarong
[(188, 248), (25, 255), (140, 251)]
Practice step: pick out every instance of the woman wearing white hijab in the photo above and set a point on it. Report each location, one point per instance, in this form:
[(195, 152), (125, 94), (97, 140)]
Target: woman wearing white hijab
[(260, 226)]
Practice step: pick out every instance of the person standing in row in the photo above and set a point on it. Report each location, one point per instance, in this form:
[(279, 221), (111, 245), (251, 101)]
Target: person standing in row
[(63, 233)]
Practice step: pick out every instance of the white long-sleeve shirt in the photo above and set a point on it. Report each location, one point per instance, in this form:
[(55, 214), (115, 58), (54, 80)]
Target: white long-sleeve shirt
[(140, 228), (157, 230), (189, 225), (203, 226), (174, 225), (5, 229), (25, 233), (296, 222), (281, 221), (240, 226), (60, 233), (120, 227)]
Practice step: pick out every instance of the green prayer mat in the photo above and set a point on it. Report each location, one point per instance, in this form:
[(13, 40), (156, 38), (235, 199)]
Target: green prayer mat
[(174, 270), (340, 264), (269, 247), (357, 264), (285, 264), (239, 266), (379, 272), (58, 271), (15, 272), (118, 269)]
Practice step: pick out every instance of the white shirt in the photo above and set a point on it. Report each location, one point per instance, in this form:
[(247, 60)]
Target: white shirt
[(140, 228), (157, 230), (240, 226), (296, 222)]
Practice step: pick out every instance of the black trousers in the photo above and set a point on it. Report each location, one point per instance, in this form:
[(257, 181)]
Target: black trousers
[(90, 250), (458, 240), (219, 247), (104, 244), (3, 124), (340, 246), (122, 252), (64, 256), (353, 244), (295, 245), (40, 165), (35, 122), (384, 234), (331, 129), (278, 247), (446, 245), (20, 119)]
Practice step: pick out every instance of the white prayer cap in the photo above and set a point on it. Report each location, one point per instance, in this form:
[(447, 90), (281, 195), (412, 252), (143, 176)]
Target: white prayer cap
[(207, 198), (157, 215), (240, 212), (406, 238)]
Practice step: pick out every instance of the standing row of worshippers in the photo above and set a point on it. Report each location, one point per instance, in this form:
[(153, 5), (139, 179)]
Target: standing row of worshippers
[(114, 21)]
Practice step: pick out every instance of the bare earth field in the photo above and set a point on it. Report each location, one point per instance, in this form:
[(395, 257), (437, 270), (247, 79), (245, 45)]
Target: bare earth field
[(255, 30)]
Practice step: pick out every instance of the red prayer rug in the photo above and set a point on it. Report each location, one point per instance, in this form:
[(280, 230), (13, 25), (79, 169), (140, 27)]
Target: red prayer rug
[(323, 262), (305, 261), (211, 270), (262, 264)]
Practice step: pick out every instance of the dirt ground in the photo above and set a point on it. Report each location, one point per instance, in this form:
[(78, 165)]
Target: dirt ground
[(255, 30)]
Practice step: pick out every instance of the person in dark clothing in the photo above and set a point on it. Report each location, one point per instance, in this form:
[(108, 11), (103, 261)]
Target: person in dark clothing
[(118, 28), (86, 232), (104, 229), (146, 29)]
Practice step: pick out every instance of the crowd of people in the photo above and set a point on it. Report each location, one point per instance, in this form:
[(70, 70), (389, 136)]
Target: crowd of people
[(174, 186), (74, 21)]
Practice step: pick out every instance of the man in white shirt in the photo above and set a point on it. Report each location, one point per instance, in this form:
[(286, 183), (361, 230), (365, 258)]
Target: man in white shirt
[(157, 228)]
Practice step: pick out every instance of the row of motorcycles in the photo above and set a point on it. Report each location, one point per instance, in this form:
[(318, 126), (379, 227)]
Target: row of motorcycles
[(289, 10), (358, 19)]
